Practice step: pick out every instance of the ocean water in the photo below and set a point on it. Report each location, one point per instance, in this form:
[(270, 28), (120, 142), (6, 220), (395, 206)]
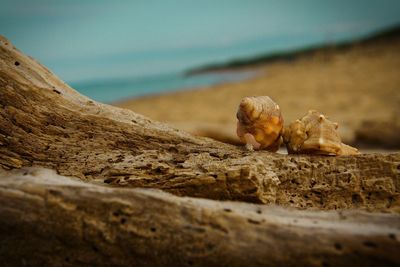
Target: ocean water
[(122, 89), (112, 50)]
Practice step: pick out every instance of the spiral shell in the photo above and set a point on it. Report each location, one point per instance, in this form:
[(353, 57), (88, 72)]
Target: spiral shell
[(260, 123), (315, 134)]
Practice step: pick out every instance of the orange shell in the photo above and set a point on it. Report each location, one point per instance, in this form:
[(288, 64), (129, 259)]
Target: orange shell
[(261, 117)]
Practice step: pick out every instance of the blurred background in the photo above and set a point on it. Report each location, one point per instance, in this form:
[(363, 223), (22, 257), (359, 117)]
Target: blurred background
[(340, 57)]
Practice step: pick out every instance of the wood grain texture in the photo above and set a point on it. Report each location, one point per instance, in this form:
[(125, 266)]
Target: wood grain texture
[(51, 220), (44, 122), (48, 131)]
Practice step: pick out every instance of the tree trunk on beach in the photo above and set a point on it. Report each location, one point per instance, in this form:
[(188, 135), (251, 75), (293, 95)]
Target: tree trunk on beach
[(86, 218)]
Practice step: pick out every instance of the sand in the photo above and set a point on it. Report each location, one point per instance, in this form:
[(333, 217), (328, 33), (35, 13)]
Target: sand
[(353, 87)]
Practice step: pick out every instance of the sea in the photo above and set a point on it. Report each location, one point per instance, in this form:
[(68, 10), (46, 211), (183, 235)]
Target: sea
[(110, 91), (115, 50)]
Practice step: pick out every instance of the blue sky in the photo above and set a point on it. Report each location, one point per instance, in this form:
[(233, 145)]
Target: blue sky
[(98, 39)]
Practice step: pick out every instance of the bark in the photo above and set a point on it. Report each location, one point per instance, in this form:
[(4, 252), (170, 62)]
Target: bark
[(51, 220)]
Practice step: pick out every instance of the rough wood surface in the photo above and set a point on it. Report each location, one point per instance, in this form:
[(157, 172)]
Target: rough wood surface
[(44, 122), (51, 220), (48, 131)]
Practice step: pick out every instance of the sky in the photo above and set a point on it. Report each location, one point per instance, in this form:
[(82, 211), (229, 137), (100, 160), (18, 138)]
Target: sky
[(82, 40)]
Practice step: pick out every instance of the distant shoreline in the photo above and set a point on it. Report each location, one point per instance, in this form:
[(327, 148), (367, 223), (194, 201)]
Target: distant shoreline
[(356, 87), (291, 55)]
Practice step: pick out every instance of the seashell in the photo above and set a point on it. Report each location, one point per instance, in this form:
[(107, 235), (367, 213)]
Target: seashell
[(315, 134), (260, 123)]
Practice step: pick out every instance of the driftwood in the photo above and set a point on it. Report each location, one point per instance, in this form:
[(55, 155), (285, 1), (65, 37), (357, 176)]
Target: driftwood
[(89, 218), (53, 220), (45, 122)]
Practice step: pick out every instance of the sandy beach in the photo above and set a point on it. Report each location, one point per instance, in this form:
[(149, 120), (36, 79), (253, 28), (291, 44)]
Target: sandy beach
[(359, 88)]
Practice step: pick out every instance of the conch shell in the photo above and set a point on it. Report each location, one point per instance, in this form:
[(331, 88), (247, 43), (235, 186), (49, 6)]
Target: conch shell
[(260, 123), (315, 134)]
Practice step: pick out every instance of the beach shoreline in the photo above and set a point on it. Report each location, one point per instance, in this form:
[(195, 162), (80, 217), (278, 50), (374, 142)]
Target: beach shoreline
[(356, 87)]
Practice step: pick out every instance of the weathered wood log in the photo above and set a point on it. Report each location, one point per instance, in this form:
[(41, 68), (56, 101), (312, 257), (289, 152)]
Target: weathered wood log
[(47, 219), (51, 220), (44, 122)]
